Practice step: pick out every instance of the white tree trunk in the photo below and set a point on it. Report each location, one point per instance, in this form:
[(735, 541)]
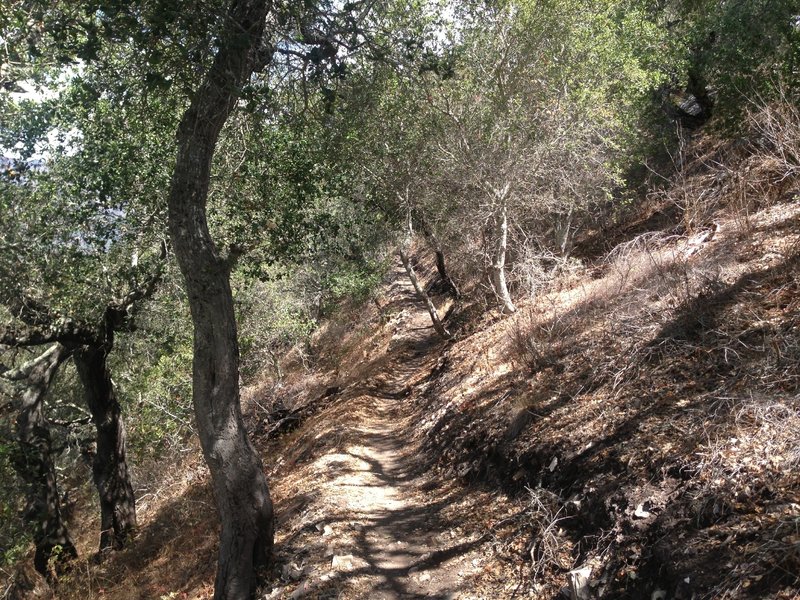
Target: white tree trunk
[(437, 322), (499, 262)]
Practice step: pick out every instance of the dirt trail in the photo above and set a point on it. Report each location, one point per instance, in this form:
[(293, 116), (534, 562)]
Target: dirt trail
[(374, 522)]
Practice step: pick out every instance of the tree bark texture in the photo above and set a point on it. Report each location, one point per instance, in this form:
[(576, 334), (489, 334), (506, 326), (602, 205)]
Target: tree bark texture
[(239, 482), (499, 262), (437, 322), (109, 465), (441, 266), (34, 465)]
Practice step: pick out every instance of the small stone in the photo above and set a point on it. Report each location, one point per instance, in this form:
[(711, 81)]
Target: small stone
[(327, 530), (413, 570), (579, 583), (424, 577), (342, 563), (301, 591)]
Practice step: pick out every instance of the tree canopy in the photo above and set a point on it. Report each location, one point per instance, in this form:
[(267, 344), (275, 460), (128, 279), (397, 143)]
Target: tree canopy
[(280, 152)]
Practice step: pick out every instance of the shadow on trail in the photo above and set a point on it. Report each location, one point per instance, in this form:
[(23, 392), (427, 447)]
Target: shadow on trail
[(399, 548), (401, 523)]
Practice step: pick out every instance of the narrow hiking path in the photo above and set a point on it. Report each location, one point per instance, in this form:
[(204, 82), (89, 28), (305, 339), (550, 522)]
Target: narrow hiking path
[(360, 514)]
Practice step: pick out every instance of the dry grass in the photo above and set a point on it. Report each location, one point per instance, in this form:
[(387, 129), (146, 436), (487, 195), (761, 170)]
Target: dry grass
[(668, 386), (742, 176), (549, 548), (694, 378)]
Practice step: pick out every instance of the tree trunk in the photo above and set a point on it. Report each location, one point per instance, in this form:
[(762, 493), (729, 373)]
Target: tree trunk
[(499, 263), (34, 465), (109, 466), (441, 267), (240, 486), (563, 233), (437, 322)]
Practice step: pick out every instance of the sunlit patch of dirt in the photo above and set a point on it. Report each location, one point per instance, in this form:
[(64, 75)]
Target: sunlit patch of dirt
[(360, 516)]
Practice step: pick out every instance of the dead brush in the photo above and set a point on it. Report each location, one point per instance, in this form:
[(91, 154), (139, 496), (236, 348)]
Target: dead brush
[(631, 263), (771, 561), (660, 300), (776, 129), (536, 269), (542, 336), (697, 179), (750, 439), (550, 547), (657, 266), (743, 175)]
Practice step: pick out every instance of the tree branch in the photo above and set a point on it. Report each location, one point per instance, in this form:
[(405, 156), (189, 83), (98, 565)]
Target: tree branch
[(22, 372), (67, 332)]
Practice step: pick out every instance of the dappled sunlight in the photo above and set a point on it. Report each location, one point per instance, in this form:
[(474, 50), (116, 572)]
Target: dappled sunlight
[(376, 524)]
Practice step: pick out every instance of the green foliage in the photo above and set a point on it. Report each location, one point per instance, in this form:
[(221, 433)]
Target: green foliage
[(355, 283), (88, 217), (153, 369), (158, 398), (274, 316), (279, 312), (740, 51), (14, 537)]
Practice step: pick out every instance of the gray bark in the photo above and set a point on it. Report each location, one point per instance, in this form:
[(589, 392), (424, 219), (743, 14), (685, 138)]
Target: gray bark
[(239, 483), (92, 346), (109, 463), (437, 322), (34, 463), (499, 262), (441, 266)]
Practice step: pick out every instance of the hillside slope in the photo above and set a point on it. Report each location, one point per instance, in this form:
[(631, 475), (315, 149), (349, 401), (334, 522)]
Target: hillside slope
[(638, 421), (642, 424)]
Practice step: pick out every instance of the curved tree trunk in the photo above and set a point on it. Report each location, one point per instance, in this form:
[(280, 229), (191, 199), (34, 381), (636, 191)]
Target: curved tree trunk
[(499, 263), (34, 465), (240, 486), (437, 322), (441, 267), (109, 467)]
